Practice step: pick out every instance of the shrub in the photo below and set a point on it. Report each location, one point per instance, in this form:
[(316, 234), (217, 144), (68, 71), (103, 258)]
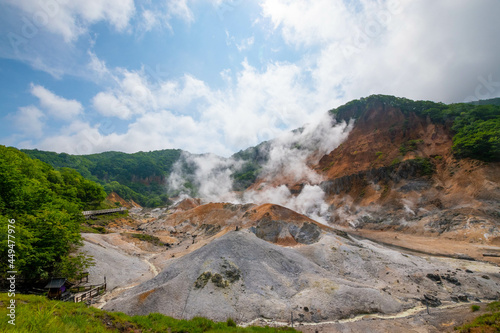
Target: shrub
[(230, 322)]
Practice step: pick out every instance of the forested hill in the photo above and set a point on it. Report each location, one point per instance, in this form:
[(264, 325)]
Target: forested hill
[(139, 176), (43, 207), (474, 128)]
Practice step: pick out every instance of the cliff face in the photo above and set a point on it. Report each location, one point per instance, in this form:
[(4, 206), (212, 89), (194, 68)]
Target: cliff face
[(396, 171), (380, 137)]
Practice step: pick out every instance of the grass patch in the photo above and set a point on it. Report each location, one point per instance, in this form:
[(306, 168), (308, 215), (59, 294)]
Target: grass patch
[(410, 145), (489, 322), (38, 314), (146, 238), (475, 308), (89, 230)]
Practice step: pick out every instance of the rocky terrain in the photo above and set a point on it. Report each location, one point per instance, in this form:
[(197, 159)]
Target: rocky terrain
[(384, 226), (239, 275)]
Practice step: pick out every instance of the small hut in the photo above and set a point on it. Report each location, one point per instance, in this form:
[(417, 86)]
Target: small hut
[(58, 287)]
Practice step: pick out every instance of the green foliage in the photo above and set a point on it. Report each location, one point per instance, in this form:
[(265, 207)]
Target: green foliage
[(424, 165), (379, 155), (139, 176), (36, 313), (475, 126), (475, 308), (357, 108), (230, 322), (395, 161), (253, 158), (410, 145), (477, 133), (246, 176), (489, 322), (147, 238), (46, 205)]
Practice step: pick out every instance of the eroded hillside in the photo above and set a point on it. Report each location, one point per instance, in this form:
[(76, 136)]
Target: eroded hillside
[(398, 170)]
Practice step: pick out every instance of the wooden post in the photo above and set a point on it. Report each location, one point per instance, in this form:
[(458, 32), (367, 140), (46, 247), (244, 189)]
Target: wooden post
[(291, 317)]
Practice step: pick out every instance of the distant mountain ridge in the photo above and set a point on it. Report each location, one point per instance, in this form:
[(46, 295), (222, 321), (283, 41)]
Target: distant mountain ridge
[(467, 130)]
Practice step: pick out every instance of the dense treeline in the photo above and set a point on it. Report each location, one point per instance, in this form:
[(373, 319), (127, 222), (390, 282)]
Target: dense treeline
[(139, 176), (475, 126), (44, 207)]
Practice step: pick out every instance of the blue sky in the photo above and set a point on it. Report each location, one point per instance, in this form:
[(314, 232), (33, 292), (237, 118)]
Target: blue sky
[(222, 75)]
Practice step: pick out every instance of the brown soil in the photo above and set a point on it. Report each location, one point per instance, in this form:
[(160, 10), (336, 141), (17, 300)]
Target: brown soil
[(375, 141), (112, 198)]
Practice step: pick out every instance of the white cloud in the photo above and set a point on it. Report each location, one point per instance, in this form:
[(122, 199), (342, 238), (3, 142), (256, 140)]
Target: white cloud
[(56, 106), (245, 44), (390, 47), (29, 120), (258, 106), (70, 19), (108, 105), (393, 47), (180, 8), (149, 20)]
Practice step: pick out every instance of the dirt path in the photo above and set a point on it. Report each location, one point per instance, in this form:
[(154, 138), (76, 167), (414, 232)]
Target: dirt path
[(434, 246), (115, 255), (153, 269), (117, 291)]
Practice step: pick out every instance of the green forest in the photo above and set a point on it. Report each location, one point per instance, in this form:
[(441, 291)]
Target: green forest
[(139, 176), (43, 206)]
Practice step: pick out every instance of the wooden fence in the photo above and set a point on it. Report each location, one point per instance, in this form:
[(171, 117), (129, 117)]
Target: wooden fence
[(93, 292)]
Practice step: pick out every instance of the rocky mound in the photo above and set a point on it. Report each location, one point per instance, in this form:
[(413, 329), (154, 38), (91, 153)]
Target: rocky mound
[(270, 222), (242, 277), (186, 204)]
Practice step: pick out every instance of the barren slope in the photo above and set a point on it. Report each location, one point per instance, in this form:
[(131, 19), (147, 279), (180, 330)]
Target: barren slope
[(241, 276)]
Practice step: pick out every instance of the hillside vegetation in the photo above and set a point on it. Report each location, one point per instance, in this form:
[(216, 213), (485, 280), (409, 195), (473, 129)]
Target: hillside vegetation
[(44, 207), (36, 314), (475, 127), (139, 176)]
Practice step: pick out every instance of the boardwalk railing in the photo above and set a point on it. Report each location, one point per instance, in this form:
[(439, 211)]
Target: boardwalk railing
[(88, 213), (91, 293)]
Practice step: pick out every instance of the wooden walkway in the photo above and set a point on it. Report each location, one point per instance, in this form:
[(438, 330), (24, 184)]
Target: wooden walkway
[(89, 213)]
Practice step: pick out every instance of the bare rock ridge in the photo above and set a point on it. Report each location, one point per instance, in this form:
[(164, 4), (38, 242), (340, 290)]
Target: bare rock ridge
[(270, 222), (396, 171), (241, 276)]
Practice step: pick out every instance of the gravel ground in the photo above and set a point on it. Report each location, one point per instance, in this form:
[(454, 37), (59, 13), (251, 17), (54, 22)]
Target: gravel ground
[(121, 262), (242, 277)]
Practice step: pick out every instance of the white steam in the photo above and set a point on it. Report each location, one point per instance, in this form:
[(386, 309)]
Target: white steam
[(291, 155), (289, 161), (209, 174)]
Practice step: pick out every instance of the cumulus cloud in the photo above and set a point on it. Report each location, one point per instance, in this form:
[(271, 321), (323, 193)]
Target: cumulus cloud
[(345, 50), (393, 46), (70, 19), (56, 106), (30, 120)]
